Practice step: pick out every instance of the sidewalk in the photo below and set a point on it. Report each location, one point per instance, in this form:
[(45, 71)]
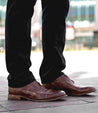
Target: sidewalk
[(83, 104), (82, 67)]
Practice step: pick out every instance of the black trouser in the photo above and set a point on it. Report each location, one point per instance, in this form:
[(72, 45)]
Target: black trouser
[(18, 40)]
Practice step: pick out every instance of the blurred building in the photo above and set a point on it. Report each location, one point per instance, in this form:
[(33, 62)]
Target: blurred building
[(82, 24), (82, 17), (96, 24), (2, 11), (2, 23), (82, 10)]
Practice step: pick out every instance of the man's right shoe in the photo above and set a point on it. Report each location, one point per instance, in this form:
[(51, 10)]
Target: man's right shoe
[(35, 92)]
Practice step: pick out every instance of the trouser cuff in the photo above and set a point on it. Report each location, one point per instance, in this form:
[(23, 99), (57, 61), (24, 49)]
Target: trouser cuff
[(49, 79)]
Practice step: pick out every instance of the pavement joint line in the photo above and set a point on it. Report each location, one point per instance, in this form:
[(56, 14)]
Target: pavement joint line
[(78, 75), (11, 111), (87, 101), (4, 108)]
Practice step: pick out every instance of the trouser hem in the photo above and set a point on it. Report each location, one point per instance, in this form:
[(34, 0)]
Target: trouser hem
[(47, 80), (20, 84), (20, 81)]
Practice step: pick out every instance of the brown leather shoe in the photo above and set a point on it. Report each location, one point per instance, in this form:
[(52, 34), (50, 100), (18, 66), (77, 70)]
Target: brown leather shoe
[(35, 92), (66, 84)]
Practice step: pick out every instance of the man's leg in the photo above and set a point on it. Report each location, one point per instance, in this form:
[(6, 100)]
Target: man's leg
[(53, 38), (18, 41), (54, 14), (21, 82)]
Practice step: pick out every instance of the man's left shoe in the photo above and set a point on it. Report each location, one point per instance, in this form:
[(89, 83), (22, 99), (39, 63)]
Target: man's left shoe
[(66, 84)]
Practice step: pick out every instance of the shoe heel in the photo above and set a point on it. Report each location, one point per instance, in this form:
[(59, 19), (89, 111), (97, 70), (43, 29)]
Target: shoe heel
[(14, 97)]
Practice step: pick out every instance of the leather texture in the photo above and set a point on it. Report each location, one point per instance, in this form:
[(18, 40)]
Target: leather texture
[(35, 92), (66, 84)]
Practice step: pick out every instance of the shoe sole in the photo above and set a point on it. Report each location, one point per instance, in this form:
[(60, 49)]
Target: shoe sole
[(18, 97), (79, 94)]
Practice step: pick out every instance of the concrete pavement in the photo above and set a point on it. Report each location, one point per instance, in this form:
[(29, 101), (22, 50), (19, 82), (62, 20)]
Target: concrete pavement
[(82, 104), (82, 67)]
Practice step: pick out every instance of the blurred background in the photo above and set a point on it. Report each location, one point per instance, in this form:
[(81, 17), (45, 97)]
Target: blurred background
[(81, 29), (81, 39)]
